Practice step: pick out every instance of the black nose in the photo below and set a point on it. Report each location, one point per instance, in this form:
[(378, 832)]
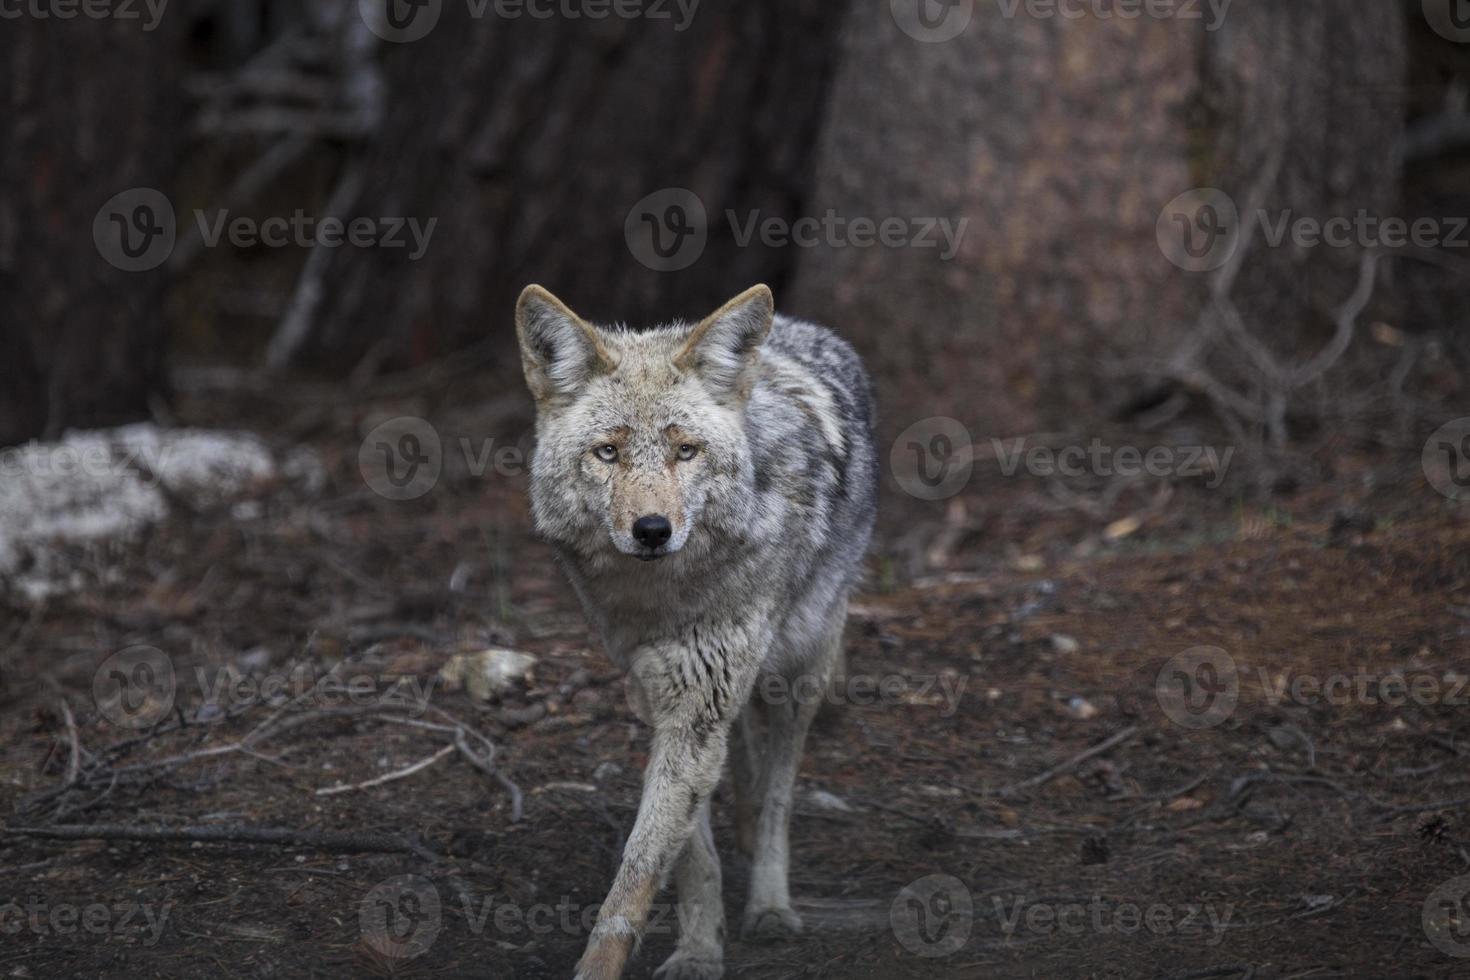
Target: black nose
[(653, 530)]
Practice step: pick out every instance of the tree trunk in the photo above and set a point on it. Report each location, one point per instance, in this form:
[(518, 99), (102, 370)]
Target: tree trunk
[(531, 141), (89, 112), (1062, 141)]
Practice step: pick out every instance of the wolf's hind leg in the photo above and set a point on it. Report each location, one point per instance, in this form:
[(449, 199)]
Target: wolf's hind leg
[(701, 947), (768, 913), (745, 775)]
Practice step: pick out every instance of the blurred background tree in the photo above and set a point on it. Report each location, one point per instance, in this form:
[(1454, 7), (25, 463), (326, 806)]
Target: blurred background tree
[(531, 141)]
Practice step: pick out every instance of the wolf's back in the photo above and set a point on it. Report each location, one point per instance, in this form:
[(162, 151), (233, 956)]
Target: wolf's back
[(812, 429)]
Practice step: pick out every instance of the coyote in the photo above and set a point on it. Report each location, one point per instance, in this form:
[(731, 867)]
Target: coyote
[(710, 490)]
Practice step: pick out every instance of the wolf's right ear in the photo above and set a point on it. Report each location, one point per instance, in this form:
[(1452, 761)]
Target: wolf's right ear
[(560, 352)]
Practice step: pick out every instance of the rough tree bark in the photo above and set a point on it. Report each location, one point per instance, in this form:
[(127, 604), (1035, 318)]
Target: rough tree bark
[(530, 140), (1062, 140), (89, 109)]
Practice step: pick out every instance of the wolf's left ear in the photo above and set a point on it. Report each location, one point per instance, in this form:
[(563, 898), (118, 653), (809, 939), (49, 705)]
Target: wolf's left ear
[(722, 349), (560, 351)]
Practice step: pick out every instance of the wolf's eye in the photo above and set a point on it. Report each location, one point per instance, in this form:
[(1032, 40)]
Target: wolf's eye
[(607, 452), (688, 451)]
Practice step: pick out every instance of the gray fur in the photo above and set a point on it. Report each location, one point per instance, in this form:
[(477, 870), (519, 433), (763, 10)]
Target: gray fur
[(771, 518)]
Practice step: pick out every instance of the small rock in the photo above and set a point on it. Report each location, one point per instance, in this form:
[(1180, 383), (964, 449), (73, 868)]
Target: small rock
[(486, 674), (823, 800), (1064, 644), (606, 771), (1081, 708), (1028, 563)]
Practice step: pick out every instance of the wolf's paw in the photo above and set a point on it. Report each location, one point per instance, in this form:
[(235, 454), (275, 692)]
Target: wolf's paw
[(770, 925), (691, 966)]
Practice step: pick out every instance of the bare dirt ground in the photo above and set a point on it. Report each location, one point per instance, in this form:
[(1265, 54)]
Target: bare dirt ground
[(1024, 779)]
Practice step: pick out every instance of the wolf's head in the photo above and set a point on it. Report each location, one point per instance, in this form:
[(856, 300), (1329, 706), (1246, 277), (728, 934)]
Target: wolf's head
[(640, 435)]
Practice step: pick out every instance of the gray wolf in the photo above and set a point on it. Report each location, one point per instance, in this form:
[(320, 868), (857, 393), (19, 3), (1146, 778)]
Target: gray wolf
[(710, 490)]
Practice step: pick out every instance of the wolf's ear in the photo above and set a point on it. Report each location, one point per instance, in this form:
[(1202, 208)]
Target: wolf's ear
[(560, 352), (722, 349)]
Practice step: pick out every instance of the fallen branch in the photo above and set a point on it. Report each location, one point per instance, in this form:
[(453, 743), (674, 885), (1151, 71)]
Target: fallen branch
[(389, 777), (325, 840), (1106, 745)]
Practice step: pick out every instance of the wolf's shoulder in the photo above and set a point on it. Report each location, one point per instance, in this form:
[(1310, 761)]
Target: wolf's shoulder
[(828, 360)]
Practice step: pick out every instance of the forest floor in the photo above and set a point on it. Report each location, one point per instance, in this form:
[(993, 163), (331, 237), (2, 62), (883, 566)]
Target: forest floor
[(1028, 796)]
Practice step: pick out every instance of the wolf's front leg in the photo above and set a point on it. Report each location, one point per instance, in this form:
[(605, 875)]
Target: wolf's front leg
[(692, 713)]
